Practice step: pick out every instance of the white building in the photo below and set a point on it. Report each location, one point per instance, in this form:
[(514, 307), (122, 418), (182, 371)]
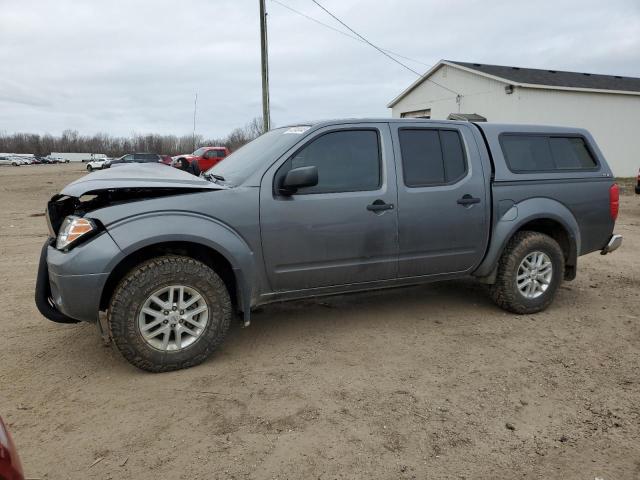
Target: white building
[(606, 105)]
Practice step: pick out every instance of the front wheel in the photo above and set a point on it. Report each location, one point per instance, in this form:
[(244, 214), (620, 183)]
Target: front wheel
[(169, 313), (529, 273), (89, 168)]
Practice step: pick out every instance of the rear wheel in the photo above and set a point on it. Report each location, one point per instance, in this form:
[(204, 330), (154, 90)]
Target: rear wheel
[(529, 273), (169, 313)]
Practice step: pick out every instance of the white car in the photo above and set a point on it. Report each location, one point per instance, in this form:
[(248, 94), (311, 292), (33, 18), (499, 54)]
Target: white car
[(21, 160), (16, 162), (98, 164)]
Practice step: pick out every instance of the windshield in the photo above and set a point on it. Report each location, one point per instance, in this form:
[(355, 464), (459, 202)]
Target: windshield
[(199, 152), (238, 166)]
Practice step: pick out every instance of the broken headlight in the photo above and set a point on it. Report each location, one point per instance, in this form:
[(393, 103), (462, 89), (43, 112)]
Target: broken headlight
[(74, 230)]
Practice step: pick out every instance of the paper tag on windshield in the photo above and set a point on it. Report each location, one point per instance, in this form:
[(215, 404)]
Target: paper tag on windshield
[(297, 130)]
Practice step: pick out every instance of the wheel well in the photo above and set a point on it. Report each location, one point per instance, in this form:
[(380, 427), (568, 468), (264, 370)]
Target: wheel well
[(559, 233), (210, 257)]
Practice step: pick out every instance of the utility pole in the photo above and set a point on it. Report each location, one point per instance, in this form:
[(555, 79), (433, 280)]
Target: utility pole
[(264, 50), (195, 107)]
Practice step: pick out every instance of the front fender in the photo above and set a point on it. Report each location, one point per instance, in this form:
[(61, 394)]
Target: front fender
[(520, 214), (135, 233)]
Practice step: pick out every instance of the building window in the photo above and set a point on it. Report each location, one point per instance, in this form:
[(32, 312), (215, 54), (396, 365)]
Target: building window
[(417, 114)]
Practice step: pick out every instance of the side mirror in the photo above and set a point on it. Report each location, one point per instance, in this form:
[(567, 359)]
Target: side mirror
[(298, 178)]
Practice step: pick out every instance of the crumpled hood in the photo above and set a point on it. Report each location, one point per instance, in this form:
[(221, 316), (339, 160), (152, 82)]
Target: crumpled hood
[(140, 175)]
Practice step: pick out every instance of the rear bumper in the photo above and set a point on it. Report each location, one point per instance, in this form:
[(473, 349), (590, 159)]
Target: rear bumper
[(614, 243)]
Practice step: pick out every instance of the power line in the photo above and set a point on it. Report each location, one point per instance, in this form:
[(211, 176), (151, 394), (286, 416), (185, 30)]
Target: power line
[(341, 32), (379, 49)]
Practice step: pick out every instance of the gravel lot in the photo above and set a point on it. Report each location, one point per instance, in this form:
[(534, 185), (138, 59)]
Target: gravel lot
[(424, 382)]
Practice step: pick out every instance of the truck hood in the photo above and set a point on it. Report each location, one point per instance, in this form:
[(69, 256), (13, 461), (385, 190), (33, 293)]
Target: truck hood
[(138, 176)]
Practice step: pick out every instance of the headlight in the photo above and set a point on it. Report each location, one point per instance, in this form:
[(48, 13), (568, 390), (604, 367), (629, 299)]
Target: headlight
[(72, 230)]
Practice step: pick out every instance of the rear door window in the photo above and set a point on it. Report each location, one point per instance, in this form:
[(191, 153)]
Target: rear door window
[(431, 157), (546, 153)]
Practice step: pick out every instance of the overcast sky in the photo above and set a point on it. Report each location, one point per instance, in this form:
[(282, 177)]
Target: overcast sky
[(134, 66)]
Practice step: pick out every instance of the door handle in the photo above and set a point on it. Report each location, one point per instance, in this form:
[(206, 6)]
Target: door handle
[(379, 206), (468, 200)]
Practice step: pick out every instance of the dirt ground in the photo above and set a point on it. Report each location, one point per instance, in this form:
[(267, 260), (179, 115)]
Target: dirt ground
[(423, 382)]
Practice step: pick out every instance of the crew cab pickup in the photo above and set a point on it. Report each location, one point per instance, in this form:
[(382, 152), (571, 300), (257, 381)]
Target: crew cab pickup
[(205, 157), (319, 209)]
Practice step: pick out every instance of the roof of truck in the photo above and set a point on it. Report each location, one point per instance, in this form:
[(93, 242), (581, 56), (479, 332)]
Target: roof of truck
[(345, 121), (426, 121)]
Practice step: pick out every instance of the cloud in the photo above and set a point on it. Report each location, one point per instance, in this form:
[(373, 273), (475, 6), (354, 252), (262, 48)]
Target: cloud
[(125, 66)]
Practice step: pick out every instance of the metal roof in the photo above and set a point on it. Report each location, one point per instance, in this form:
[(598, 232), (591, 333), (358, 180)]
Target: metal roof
[(556, 78)]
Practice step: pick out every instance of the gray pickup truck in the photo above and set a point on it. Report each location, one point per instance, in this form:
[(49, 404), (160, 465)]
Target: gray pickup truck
[(318, 209)]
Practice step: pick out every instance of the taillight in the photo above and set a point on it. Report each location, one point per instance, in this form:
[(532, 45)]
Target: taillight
[(614, 201)]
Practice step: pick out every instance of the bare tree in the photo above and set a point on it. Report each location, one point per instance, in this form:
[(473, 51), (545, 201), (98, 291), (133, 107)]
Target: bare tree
[(72, 141)]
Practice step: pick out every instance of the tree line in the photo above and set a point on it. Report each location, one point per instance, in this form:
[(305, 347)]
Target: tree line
[(112, 146)]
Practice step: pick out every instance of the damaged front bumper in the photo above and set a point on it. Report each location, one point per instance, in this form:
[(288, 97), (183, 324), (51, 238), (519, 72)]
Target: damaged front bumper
[(69, 284), (44, 296)]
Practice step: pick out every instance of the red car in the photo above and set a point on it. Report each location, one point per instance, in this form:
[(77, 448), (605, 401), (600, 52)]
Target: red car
[(10, 467), (206, 157)]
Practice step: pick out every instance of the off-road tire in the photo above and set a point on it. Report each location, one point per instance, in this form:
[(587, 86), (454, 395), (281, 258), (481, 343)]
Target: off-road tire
[(89, 168), (146, 278), (505, 291)]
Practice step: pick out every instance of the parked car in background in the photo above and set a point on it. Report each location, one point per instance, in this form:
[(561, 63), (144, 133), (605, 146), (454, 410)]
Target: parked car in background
[(327, 208), (56, 158), (206, 157), (7, 160), (10, 466), (26, 158), (134, 158), (20, 160), (98, 164)]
